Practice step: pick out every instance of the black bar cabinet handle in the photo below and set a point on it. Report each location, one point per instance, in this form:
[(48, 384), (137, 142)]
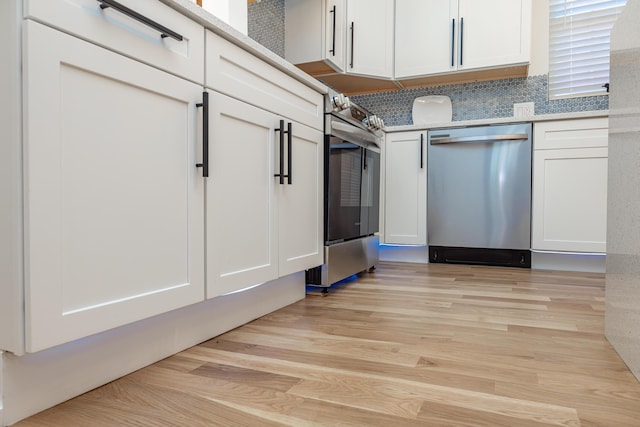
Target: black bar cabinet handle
[(282, 132), (289, 145), (205, 135), (352, 33), (333, 40), (421, 151), (461, 38), (364, 158), (164, 31), (453, 42)]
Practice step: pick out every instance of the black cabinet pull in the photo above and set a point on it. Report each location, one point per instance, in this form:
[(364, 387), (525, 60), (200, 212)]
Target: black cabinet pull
[(164, 31), (289, 160), (453, 42), (352, 33), (333, 40), (282, 132), (461, 38), (205, 135), (421, 151)]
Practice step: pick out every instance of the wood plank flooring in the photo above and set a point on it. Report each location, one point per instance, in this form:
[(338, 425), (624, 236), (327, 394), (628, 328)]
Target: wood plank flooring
[(408, 345)]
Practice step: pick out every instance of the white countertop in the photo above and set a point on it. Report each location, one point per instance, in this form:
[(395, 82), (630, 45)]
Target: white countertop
[(221, 28), (539, 118)]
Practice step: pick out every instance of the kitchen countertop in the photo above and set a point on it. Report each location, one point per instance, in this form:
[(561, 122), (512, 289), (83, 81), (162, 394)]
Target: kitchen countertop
[(539, 118), (221, 28)]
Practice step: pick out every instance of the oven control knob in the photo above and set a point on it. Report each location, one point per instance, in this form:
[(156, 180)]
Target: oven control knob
[(373, 122), (340, 102)]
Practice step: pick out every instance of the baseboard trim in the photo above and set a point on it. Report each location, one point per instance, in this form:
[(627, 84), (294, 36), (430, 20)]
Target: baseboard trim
[(404, 253), (568, 261)]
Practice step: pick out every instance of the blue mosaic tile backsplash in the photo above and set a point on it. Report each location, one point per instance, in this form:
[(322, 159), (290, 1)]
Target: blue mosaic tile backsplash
[(480, 100), (470, 101), (266, 24)]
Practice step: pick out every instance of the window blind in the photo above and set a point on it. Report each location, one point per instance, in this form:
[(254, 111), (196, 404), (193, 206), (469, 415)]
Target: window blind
[(579, 33)]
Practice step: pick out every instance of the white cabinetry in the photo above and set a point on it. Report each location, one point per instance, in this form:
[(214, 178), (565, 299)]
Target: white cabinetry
[(113, 205), (315, 34), (405, 188), (370, 37), (355, 36), (570, 186), (278, 226), (441, 36), (125, 34)]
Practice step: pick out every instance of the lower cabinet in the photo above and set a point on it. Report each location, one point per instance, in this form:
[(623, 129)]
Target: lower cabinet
[(570, 186), (405, 188), (259, 226), (113, 207)]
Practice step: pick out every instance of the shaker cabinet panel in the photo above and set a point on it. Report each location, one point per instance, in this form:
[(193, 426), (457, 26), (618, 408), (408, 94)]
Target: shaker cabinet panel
[(260, 227), (443, 36), (425, 37), (370, 37), (569, 207), (242, 241), (237, 73), (113, 203), (493, 33), (405, 216), (129, 35), (300, 202)]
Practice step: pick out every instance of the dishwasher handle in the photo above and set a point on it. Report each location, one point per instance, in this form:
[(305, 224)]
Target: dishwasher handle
[(445, 139)]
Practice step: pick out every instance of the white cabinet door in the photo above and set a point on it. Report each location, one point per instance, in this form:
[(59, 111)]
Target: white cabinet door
[(425, 37), (570, 200), (113, 202), (405, 201), (569, 206), (370, 37), (335, 33), (440, 36), (242, 216), (259, 229), (493, 33), (300, 203)]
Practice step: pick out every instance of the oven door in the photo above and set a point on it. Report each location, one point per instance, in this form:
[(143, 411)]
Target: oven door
[(343, 192)]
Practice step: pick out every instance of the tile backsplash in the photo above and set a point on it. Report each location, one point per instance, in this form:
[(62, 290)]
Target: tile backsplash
[(479, 100), (266, 24), (470, 101)]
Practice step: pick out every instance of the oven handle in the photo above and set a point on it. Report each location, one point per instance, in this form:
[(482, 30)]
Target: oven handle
[(353, 134)]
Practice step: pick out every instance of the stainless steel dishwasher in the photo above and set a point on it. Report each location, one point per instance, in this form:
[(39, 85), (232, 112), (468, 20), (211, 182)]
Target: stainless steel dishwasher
[(479, 195)]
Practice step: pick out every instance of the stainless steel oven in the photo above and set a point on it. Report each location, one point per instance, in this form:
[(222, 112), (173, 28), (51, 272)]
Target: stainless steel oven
[(352, 191)]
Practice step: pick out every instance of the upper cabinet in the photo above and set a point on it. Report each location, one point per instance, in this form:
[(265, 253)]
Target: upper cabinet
[(425, 37), (351, 36), (444, 36), (370, 37), (493, 33)]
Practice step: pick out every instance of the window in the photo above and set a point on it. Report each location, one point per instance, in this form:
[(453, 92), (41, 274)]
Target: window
[(579, 32)]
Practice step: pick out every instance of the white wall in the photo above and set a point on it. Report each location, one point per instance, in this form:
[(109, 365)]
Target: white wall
[(233, 12), (540, 39)]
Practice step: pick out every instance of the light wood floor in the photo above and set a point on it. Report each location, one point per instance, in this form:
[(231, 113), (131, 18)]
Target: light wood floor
[(408, 345)]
